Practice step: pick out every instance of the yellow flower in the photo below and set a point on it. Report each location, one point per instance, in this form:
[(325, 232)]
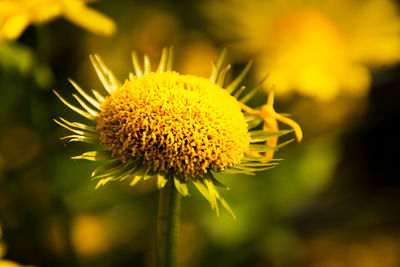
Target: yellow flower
[(17, 15), (316, 48), (175, 127), (90, 235)]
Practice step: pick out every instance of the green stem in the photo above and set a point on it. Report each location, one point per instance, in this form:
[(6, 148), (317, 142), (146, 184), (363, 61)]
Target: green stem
[(167, 226)]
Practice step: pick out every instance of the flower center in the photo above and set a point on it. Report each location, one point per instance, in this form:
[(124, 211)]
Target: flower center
[(178, 123)]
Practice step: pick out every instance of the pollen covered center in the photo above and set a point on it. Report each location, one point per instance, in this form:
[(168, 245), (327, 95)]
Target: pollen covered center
[(178, 123)]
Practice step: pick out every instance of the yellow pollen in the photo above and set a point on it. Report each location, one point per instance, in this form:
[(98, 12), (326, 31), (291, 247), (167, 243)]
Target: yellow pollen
[(174, 123)]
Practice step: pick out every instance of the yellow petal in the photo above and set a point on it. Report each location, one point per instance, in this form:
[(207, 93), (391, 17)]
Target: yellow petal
[(45, 12), (294, 125), (13, 27), (181, 187), (269, 114), (89, 19), (161, 181)]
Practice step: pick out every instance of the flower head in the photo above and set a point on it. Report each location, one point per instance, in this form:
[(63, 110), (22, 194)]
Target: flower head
[(17, 15), (175, 127), (316, 48), (174, 122)]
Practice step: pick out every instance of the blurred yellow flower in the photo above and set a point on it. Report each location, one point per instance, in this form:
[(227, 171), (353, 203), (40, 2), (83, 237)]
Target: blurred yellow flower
[(316, 48), (90, 235), (17, 15), (176, 128)]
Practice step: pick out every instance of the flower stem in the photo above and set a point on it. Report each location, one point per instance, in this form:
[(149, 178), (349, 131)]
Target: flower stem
[(167, 226)]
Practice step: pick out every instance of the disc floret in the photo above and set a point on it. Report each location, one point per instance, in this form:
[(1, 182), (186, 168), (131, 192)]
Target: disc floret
[(175, 123)]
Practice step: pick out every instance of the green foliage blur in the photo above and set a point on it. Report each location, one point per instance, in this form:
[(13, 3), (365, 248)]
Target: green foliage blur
[(332, 201)]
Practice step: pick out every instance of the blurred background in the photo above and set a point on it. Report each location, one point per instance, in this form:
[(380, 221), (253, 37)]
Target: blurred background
[(333, 201)]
